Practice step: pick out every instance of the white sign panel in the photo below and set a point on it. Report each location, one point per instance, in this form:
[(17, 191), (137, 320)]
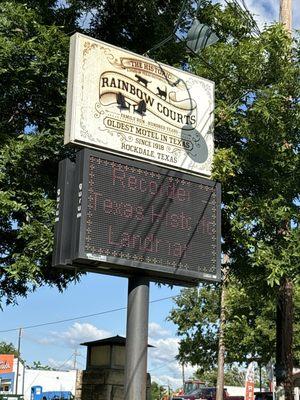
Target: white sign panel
[(122, 102)]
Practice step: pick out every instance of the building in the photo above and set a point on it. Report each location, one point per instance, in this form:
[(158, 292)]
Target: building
[(296, 381), (27, 378), (8, 372)]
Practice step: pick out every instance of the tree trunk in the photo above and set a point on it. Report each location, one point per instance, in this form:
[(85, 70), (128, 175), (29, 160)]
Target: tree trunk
[(284, 338), (221, 353)]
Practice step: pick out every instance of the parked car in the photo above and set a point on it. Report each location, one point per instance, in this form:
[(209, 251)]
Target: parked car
[(263, 395), (206, 393)]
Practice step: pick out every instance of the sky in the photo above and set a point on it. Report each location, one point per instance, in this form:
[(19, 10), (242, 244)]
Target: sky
[(55, 344)]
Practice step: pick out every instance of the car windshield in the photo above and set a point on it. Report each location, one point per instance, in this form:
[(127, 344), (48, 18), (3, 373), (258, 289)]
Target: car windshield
[(205, 392), (190, 386)]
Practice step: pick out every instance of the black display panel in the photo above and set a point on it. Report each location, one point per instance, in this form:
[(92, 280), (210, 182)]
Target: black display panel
[(134, 217)]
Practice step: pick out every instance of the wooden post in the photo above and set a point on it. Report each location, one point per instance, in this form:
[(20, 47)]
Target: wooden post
[(284, 338), (18, 362), (285, 14), (183, 375), (284, 314), (221, 353)]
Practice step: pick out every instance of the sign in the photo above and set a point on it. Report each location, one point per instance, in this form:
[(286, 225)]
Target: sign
[(6, 363), (122, 102), (249, 384), (131, 217)]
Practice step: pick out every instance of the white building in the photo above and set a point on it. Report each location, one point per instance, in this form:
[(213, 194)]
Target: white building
[(27, 378), (49, 380)]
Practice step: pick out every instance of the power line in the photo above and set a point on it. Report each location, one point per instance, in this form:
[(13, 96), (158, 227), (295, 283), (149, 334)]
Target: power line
[(41, 371), (167, 39), (246, 14), (80, 317)]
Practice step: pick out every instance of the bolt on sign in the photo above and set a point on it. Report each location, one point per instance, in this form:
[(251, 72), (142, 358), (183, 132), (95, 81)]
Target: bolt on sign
[(125, 103), (120, 216)]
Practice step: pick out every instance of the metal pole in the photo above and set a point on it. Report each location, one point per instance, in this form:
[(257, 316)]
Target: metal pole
[(137, 339), (18, 363)]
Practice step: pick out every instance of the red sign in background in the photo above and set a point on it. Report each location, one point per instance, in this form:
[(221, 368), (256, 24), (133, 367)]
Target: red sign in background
[(6, 363)]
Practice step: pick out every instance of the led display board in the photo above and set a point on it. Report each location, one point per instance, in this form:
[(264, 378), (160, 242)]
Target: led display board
[(122, 102), (131, 217)]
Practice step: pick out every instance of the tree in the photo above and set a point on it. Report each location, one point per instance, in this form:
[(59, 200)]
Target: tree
[(34, 45), (33, 83), (156, 391), (257, 161), (233, 376), (8, 348), (39, 366), (250, 329), (139, 26)]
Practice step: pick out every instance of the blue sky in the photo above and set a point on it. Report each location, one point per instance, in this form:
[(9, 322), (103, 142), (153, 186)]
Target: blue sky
[(55, 344)]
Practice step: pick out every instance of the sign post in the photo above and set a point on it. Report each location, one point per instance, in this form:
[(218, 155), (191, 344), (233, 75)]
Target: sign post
[(137, 338), (249, 382)]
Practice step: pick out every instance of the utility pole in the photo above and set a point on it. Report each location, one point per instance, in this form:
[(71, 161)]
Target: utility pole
[(284, 315), (285, 14), (221, 353), (284, 338), (75, 358), (183, 375), (18, 362)]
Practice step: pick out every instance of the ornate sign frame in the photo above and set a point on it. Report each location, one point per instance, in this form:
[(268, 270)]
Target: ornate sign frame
[(128, 104)]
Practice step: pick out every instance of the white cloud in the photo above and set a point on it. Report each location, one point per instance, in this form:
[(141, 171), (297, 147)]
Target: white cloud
[(264, 12), (76, 334), (166, 380), (163, 366), (267, 11), (165, 351), (62, 365), (155, 330)]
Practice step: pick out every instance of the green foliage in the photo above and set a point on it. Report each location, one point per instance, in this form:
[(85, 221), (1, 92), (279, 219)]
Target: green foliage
[(137, 25), (33, 81), (233, 376), (257, 161), (156, 391), (250, 329), (8, 348), (197, 317), (39, 366), (34, 46)]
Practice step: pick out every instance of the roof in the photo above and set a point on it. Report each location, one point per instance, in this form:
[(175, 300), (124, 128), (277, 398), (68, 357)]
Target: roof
[(114, 340)]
